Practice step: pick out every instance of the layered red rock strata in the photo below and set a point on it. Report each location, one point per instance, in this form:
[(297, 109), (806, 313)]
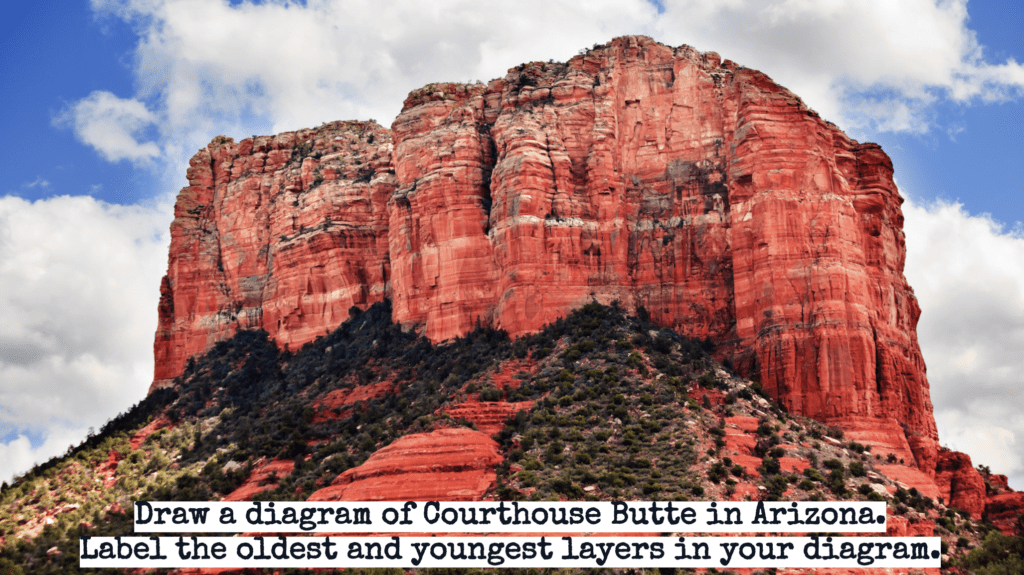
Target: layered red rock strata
[(657, 176), (284, 233), (443, 465)]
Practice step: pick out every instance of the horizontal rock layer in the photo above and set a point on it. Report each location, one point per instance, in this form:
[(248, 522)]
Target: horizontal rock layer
[(659, 177), (443, 465)]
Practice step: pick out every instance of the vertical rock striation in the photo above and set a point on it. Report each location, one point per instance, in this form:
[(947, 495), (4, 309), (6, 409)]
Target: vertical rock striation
[(660, 177), (283, 233)]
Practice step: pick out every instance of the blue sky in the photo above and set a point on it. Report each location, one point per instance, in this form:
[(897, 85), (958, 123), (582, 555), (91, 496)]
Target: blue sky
[(53, 55), (105, 101)]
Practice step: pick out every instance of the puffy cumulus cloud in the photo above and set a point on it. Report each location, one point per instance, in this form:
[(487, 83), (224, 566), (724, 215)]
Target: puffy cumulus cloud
[(111, 125), (211, 67), (865, 64), (18, 455), (968, 274), (300, 65), (81, 283)]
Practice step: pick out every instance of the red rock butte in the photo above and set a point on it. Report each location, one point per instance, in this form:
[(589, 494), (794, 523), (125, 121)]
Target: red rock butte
[(656, 176)]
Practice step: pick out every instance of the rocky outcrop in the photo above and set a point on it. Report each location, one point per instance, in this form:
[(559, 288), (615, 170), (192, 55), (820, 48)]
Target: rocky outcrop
[(656, 176), (139, 438), (488, 416), (912, 478), (283, 233), (960, 484), (902, 527), (337, 403), (443, 465), (265, 476), (1005, 511)]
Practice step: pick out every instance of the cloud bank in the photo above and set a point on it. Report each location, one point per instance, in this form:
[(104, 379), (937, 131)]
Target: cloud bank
[(968, 274), (203, 65), (81, 282), (868, 65)]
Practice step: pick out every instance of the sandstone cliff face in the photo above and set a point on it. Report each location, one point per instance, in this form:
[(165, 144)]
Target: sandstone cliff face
[(960, 484), (651, 175), (284, 233)]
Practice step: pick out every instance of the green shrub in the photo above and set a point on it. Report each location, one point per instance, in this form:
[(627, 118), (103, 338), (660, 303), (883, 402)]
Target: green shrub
[(566, 487), (707, 380), (998, 554), (489, 393), (553, 453), (640, 463), (813, 474), (832, 464), (651, 487), (837, 482), (770, 465), (857, 469), (717, 472), (528, 478), (776, 485)]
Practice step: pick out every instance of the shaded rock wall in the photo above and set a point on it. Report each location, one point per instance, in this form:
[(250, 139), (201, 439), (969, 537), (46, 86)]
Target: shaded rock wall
[(660, 177)]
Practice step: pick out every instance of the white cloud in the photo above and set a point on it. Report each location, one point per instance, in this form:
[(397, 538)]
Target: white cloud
[(301, 65), (968, 274), (207, 67), (81, 282), (38, 182), (867, 64), (110, 125), (18, 456)]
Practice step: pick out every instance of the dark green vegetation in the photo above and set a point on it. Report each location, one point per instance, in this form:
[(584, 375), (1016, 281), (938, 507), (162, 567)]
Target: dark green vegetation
[(257, 400), (997, 554), (606, 419), (245, 400), (623, 410)]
